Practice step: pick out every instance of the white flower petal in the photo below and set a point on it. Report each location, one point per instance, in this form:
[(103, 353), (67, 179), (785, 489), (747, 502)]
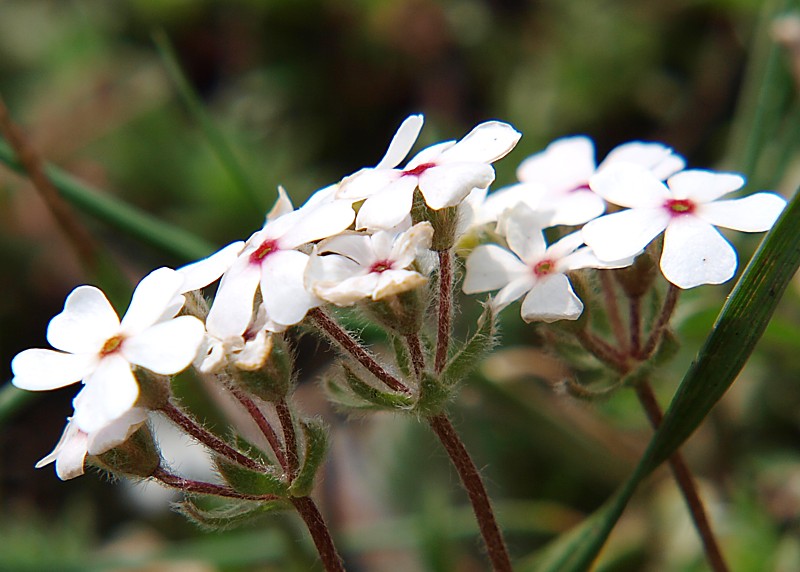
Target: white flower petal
[(586, 258), (447, 185), (285, 297), (69, 454), (154, 293), (43, 370), (402, 142), (524, 234), (68, 435), (655, 157), (166, 348), (393, 282), (486, 143), (366, 182), (322, 196), (629, 185), (86, 322), (108, 393), (117, 432), (696, 253), (565, 164), (283, 205), (564, 246), (512, 292), (755, 213), (703, 186), (232, 310), (619, 235), (408, 245), (203, 272), (576, 208), (355, 246), (490, 267), (499, 201), (551, 299), (429, 155), (318, 222), (389, 207), (348, 291)]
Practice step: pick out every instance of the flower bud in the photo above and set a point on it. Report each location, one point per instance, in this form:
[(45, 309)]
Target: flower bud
[(136, 457), (272, 378), (402, 313), (154, 389)]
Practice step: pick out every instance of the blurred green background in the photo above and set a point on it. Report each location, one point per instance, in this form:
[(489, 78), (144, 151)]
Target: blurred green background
[(307, 91)]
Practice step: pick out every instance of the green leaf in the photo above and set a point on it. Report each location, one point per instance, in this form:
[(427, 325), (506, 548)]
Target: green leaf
[(472, 353), (401, 357), (105, 207), (371, 394), (315, 446), (738, 328), (228, 516), (433, 395), (250, 482)]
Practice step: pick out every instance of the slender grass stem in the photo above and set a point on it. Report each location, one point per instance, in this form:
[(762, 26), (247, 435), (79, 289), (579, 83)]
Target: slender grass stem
[(686, 483)]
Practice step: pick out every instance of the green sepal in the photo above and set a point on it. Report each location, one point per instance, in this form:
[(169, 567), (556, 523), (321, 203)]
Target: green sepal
[(272, 381), (401, 357), (373, 395), (136, 457), (433, 395), (474, 351), (230, 515), (315, 445), (402, 313), (251, 450), (250, 482)]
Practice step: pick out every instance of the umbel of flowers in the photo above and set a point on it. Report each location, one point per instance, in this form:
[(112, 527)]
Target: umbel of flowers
[(383, 240)]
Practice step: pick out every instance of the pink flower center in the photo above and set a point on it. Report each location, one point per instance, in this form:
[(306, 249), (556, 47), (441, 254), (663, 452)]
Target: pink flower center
[(544, 267), (267, 247), (418, 170), (111, 345), (583, 187), (678, 207), (381, 266)]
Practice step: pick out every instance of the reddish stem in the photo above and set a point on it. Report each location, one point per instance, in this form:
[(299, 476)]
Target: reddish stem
[(445, 308), (204, 488), (264, 425), (319, 533), (657, 332), (417, 356), (289, 436)]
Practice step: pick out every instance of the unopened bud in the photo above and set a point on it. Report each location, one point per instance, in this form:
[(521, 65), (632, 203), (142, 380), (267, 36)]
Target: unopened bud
[(136, 457), (270, 379)]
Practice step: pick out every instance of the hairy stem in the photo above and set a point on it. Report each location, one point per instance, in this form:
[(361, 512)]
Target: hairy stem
[(353, 347), (612, 307), (264, 426), (208, 439), (602, 351), (656, 333), (683, 477), (416, 353), (445, 308), (471, 479), (204, 488), (289, 436), (310, 514), (635, 322)]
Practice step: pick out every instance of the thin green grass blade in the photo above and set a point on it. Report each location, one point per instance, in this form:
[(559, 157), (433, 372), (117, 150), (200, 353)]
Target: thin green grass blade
[(738, 328), (216, 140), (169, 239)]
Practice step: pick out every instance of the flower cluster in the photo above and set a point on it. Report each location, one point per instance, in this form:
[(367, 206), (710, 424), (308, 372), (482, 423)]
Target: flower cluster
[(364, 241)]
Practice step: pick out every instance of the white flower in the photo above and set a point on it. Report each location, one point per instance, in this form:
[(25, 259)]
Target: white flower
[(557, 179), (269, 259), (687, 210), (445, 173), (533, 268), (248, 351), (350, 267), (100, 350), (70, 452)]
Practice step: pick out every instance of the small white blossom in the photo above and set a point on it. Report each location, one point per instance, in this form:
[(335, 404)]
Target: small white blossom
[(557, 179), (70, 452), (100, 350), (248, 351), (350, 267), (532, 268), (445, 173), (687, 209)]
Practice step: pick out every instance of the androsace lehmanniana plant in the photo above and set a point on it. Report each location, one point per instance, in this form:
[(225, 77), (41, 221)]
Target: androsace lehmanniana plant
[(368, 242)]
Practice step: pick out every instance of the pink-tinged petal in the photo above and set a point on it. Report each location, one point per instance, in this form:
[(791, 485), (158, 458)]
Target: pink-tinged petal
[(402, 142), (318, 222), (486, 143), (703, 186), (117, 432), (696, 253), (366, 182), (389, 207), (626, 233), (154, 293), (629, 185), (108, 393), (86, 322), (490, 267), (755, 213), (447, 185), (355, 246), (283, 205), (429, 155), (43, 370), (565, 164), (69, 454), (523, 228), (576, 208), (232, 309), (166, 348), (285, 297), (203, 272), (409, 244), (393, 282), (551, 299), (655, 157), (512, 292)]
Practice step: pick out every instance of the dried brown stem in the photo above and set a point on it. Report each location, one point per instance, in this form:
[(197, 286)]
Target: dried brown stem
[(310, 514), (683, 477), (471, 479), (445, 308), (353, 347)]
